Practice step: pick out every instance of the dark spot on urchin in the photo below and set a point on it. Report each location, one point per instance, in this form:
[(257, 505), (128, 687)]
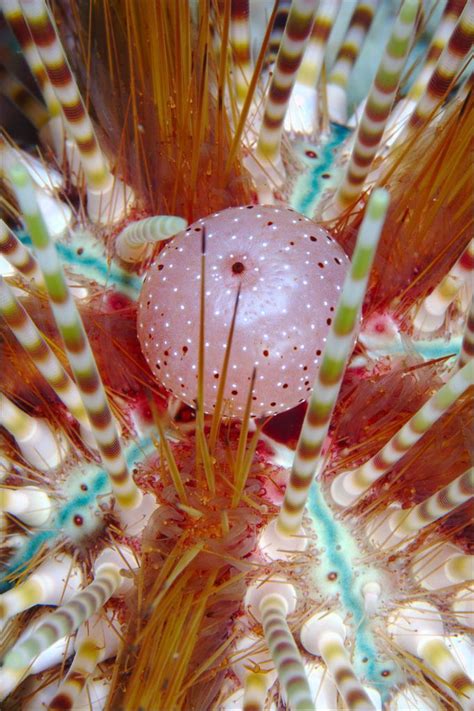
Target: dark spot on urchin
[(318, 352), (326, 176), (238, 267), (313, 238), (332, 576), (311, 154), (250, 207), (329, 321), (63, 702), (160, 267), (197, 229), (80, 251), (385, 672), (84, 487), (78, 520), (273, 404), (337, 260), (266, 353), (216, 375), (269, 224), (184, 349), (284, 386), (234, 392), (321, 265)]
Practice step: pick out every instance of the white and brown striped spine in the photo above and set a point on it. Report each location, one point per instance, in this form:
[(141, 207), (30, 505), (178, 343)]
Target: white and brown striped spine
[(75, 114), (430, 315), (290, 55), (285, 653), (348, 486), (58, 624), (77, 346), (359, 25), (437, 655), (334, 655), (277, 31), (440, 38), (339, 345), (131, 244), (241, 47), (255, 692), (435, 507), (467, 346), (448, 67), (18, 255), (14, 17), (23, 99), (85, 661), (41, 354), (378, 107), (313, 59)]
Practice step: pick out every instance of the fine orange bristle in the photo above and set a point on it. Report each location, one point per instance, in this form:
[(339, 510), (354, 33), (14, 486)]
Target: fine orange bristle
[(156, 93), (429, 221)]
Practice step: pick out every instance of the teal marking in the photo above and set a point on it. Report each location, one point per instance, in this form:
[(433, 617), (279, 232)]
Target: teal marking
[(84, 255), (310, 184), (80, 504), (340, 555), (430, 350)]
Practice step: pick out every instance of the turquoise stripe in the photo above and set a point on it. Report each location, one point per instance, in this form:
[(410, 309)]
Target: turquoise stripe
[(84, 504), (84, 256), (311, 184), (338, 553)]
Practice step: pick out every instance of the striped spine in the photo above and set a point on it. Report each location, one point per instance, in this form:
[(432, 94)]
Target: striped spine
[(331, 648), (359, 25), (447, 68), (431, 313), (30, 504), (41, 354), (255, 692), (241, 43), (433, 508), (285, 654), (132, 241), (58, 624), (293, 43), (51, 581), (313, 59), (418, 629), (77, 347), (467, 347), (435, 653), (85, 661), (441, 36), (277, 31), (17, 422), (23, 99), (378, 106), (348, 486), (18, 255), (14, 16), (59, 73), (460, 568), (328, 380)]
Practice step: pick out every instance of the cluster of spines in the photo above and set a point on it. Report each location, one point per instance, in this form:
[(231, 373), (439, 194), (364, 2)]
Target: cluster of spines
[(319, 447)]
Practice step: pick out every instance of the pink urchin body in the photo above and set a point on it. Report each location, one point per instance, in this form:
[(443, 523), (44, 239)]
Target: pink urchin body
[(290, 272)]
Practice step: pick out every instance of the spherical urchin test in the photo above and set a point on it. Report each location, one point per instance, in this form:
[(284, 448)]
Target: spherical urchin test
[(290, 273)]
